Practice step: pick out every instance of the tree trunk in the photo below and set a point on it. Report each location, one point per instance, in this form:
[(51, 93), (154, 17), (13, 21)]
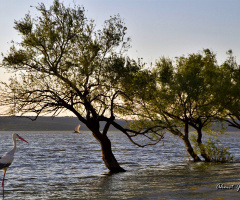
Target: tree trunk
[(201, 146), (190, 150), (188, 145), (107, 155)]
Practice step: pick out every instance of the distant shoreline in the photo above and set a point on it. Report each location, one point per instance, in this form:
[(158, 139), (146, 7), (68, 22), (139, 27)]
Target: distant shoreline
[(11, 123)]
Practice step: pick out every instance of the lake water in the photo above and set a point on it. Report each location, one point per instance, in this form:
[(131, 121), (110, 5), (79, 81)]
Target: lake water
[(63, 165)]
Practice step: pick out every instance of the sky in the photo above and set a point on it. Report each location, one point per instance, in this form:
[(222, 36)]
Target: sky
[(157, 28)]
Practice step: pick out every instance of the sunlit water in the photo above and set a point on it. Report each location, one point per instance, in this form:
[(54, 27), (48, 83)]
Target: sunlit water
[(64, 165)]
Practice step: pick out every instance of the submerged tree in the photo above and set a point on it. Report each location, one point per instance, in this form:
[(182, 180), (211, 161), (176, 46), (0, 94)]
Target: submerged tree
[(63, 63), (185, 97)]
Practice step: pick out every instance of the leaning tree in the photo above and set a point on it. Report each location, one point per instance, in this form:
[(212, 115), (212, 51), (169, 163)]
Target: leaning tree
[(63, 63), (184, 96)]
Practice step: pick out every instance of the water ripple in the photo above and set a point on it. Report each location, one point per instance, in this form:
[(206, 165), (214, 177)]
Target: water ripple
[(61, 165)]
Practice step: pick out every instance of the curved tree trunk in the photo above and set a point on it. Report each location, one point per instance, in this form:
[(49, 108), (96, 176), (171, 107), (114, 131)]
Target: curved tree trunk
[(107, 155), (190, 150), (188, 144)]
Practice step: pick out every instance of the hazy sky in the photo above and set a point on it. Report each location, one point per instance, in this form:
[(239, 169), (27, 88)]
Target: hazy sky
[(157, 27)]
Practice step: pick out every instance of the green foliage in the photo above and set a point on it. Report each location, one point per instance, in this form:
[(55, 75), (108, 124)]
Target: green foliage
[(186, 93), (217, 152), (214, 149), (229, 90), (24, 26), (164, 70), (186, 90), (62, 61)]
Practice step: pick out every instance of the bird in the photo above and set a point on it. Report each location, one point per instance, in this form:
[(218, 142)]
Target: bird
[(7, 159)]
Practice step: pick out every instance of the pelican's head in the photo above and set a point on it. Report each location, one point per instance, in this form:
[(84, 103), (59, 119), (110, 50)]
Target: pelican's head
[(15, 136)]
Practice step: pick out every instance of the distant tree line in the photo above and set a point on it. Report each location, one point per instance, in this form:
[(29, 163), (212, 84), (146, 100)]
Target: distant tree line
[(64, 63)]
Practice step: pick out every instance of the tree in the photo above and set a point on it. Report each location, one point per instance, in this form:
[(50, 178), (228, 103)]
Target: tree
[(63, 63), (229, 90), (185, 97)]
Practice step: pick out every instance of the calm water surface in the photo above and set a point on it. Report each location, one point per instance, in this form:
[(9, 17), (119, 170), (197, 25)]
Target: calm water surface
[(63, 165)]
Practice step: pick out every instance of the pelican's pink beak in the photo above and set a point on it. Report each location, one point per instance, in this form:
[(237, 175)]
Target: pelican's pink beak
[(22, 139)]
